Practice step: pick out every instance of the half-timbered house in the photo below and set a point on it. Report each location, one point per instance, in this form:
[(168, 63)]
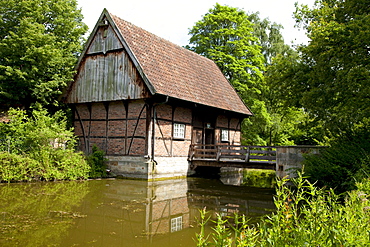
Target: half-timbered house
[(144, 100)]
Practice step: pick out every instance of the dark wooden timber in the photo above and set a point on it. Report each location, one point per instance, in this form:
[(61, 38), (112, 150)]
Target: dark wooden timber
[(259, 157)]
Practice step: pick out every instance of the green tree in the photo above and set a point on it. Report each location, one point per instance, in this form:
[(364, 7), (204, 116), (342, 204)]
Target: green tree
[(269, 38), (39, 44), (291, 123), (335, 84), (225, 35), (286, 120)]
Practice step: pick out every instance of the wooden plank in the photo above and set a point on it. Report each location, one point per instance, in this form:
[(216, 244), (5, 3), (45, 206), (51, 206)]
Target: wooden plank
[(204, 155), (242, 156), (262, 162), (262, 152), (257, 157), (243, 151), (205, 150), (262, 147)]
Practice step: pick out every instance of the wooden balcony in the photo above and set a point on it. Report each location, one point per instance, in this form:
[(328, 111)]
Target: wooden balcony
[(261, 157)]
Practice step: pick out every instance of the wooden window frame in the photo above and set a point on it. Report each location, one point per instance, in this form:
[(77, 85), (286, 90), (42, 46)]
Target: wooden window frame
[(179, 131), (224, 135)]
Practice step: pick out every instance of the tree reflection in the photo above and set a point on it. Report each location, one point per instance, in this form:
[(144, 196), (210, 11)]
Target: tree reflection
[(38, 214)]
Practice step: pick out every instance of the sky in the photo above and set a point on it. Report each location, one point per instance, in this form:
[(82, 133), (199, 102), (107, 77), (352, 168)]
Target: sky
[(172, 19)]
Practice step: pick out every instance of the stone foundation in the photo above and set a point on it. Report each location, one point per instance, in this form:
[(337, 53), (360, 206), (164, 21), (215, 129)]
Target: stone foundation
[(147, 169)]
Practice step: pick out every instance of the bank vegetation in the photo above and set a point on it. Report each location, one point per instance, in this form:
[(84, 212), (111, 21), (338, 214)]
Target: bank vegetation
[(41, 147), (305, 216)]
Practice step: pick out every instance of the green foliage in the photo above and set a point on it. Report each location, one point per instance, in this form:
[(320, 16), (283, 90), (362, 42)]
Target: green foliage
[(333, 85), (304, 216), (290, 123), (39, 44), (269, 38), (343, 163), (97, 163), (43, 140), (225, 35), (17, 167), (259, 178)]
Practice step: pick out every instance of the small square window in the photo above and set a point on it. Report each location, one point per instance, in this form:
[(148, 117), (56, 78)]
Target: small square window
[(179, 131), (224, 135)]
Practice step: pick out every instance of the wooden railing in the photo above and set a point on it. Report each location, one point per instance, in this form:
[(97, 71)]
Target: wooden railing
[(232, 153)]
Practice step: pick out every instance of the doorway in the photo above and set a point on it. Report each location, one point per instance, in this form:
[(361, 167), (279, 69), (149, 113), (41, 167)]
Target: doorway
[(209, 135)]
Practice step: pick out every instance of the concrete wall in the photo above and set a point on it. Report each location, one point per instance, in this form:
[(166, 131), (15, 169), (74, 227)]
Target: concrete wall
[(289, 158)]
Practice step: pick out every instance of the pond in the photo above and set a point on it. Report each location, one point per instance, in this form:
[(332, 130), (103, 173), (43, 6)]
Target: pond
[(115, 212)]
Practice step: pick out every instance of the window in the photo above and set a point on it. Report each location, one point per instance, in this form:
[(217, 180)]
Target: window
[(179, 131), (176, 224), (224, 135)]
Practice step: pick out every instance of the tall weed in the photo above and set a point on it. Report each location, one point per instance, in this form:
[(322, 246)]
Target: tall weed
[(305, 216)]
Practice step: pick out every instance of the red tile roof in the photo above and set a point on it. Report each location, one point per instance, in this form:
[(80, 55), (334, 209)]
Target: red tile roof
[(179, 73)]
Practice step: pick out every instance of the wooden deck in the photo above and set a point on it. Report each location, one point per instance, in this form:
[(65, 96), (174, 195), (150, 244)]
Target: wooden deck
[(260, 157)]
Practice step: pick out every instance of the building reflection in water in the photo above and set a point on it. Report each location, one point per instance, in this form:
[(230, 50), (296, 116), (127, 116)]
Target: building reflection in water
[(141, 213)]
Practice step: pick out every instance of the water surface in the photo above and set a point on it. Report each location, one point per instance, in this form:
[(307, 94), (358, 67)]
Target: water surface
[(116, 212)]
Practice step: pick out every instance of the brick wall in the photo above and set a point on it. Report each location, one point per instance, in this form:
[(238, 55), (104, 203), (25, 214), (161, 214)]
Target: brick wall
[(113, 127), (222, 122)]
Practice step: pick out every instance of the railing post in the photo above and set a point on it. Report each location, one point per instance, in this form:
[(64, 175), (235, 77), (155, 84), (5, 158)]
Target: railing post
[(218, 153), (247, 155)]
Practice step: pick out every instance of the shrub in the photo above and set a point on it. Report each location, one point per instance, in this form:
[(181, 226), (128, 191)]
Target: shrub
[(339, 166), (16, 167), (97, 163), (46, 142)]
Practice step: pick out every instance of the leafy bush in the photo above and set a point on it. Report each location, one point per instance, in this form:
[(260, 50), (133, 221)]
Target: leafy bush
[(44, 142), (304, 216), (339, 166), (97, 163), (17, 167)]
